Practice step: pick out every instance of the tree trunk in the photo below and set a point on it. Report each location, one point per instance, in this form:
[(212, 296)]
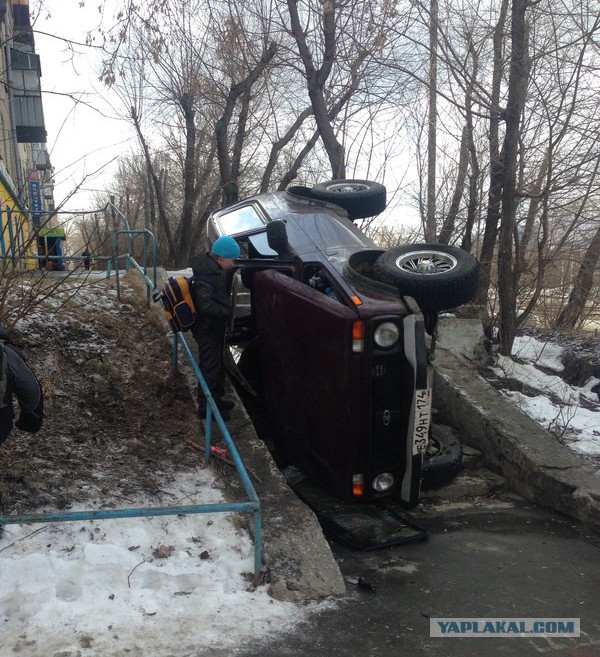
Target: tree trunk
[(430, 224), (492, 219), (279, 145), (316, 78), (461, 176), (516, 92), (183, 255), (229, 183), (156, 183), (473, 200), (572, 312)]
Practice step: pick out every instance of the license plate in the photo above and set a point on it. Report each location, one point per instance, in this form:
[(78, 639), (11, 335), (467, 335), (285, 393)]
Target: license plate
[(422, 415)]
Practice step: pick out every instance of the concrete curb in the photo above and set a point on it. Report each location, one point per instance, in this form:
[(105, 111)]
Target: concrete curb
[(534, 464), (298, 558)]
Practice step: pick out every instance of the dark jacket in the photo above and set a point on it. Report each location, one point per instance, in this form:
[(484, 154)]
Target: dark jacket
[(21, 382), (210, 295)]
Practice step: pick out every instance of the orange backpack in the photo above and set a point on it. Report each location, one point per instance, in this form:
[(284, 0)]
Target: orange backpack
[(178, 303)]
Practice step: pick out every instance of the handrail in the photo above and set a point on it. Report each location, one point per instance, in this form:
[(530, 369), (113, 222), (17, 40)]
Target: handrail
[(150, 284), (212, 408), (67, 258)]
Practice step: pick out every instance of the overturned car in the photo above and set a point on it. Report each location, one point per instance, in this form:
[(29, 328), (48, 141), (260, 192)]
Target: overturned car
[(332, 333)]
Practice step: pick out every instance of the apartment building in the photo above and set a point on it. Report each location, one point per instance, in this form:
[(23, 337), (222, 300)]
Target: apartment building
[(26, 175)]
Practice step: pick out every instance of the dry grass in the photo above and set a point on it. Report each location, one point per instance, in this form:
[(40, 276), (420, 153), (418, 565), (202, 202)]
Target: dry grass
[(116, 416)]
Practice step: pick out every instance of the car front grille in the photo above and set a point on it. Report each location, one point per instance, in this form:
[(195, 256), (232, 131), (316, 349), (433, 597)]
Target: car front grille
[(389, 377)]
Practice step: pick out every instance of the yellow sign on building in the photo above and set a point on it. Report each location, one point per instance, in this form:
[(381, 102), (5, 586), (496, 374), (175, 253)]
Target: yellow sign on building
[(16, 240)]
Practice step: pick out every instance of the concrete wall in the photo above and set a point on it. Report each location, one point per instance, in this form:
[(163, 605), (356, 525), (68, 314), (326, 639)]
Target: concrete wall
[(533, 462)]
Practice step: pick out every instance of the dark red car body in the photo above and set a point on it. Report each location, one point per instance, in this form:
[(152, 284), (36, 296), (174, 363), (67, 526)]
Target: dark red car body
[(348, 412)]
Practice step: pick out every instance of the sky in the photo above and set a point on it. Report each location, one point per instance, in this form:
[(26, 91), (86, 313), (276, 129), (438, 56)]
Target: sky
[(84, 138)]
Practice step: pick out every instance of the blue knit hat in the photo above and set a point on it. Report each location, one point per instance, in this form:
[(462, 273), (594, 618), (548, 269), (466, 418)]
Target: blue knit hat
[(226, 247)]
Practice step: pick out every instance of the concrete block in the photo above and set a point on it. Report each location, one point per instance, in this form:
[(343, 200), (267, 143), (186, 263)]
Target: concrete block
[(463, 337), (533, 462)]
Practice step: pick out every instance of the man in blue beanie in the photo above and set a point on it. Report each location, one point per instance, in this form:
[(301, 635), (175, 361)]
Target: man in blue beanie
[(213, 309)]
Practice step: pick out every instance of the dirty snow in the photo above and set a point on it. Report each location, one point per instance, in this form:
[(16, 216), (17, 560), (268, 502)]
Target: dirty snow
[(156, 586), (571, 413)]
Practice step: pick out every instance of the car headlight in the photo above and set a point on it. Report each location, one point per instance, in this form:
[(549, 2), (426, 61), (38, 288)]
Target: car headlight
[(386, 335), (383, 482)]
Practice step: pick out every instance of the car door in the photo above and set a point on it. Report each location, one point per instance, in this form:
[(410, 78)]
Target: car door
[(312, 377)]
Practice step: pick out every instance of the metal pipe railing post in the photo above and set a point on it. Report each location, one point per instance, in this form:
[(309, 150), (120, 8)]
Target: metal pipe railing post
[(175, 351), (131, 260), (211, 407), (257, 545)]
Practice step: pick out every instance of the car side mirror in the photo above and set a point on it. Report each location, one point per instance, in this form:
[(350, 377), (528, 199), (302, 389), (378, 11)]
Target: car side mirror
[(277, 238)]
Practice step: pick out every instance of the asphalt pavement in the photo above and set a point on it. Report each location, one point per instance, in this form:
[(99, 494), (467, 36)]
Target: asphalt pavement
[(492, 557)]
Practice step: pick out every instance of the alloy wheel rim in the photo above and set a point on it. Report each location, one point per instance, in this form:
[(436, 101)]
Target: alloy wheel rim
[(426, 262), (343, 188)]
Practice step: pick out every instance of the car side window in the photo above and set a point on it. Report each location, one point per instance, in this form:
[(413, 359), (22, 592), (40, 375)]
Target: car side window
[(259, 246), (240, 220)]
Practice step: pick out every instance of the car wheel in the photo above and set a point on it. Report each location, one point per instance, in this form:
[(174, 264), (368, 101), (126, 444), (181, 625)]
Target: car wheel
[(360, 198), (443, 457), (438, 276)]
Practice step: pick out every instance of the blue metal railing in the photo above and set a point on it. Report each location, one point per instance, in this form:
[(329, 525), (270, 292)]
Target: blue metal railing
[(130, 260), (97, 258), (251, 506)]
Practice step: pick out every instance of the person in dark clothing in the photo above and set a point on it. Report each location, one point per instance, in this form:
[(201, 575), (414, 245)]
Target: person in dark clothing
[(213, 310), (86, 259), (17, 379)]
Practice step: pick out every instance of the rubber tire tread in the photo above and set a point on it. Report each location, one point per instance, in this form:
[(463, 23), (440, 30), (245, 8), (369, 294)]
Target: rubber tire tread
[(441, 468), (359, 204), (433, 292)]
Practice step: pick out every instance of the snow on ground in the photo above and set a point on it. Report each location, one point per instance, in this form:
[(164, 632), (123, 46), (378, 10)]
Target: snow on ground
[(571, 413), (156, 586)]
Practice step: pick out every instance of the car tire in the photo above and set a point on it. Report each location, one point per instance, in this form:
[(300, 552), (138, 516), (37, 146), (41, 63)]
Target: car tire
[(438, 276), (443, 458), (360, 198)]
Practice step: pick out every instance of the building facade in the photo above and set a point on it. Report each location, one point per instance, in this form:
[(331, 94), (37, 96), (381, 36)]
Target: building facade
[(26, 175)]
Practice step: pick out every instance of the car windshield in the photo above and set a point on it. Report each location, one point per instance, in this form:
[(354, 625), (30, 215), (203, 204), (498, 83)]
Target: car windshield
[(313, 229), (240, 220)]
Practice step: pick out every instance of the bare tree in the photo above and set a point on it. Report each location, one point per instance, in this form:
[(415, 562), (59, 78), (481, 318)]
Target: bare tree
[(316, 78), (430, 221), (514, 107), (572, 312)]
